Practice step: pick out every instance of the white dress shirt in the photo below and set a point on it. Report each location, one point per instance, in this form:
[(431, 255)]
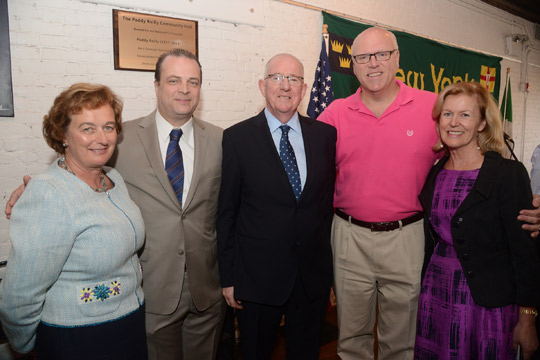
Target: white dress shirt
[(295, 138), (187, 146)]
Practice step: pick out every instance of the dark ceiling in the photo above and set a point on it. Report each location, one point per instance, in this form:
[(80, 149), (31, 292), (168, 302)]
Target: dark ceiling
[(527, 9)]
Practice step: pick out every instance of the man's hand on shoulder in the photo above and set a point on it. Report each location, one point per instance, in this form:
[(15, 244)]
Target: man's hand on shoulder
[(15, 195), (531, 217)]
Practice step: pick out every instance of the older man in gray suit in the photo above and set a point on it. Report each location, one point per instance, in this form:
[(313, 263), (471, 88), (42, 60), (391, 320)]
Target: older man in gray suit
[(184, 306)]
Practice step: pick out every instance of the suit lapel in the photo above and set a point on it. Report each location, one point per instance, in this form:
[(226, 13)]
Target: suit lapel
[(481, 188), (268, 148), (201, 138), (484, 182), (149, 139)]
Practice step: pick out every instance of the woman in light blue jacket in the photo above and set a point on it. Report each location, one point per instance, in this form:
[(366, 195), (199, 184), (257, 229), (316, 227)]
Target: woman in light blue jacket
[(72, 287)]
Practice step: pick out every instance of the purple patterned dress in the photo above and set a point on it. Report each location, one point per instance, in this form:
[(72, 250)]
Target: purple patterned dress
[(450, 325)]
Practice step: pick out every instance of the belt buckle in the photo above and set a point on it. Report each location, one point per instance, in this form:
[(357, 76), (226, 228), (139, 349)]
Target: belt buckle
[(379, 225), (382, 226)]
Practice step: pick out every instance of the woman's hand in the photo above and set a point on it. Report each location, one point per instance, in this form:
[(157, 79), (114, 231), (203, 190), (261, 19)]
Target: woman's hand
[(525, 335)]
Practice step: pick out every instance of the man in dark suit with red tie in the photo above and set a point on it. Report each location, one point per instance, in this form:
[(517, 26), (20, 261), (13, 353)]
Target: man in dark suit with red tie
[(274, 218)]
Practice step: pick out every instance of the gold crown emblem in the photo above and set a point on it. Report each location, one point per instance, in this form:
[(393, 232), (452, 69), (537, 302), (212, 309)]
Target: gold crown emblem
[(336, 46), (344, 62), (349, 49)]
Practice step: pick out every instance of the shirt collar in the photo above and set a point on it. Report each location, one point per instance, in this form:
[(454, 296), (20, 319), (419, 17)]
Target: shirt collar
[(274, 123), (164, 128), (404, 96)]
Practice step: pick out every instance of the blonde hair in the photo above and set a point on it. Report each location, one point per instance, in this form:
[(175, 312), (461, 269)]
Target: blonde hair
[(491, 138)]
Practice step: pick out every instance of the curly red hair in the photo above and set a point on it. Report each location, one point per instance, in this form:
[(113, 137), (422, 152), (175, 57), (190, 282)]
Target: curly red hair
[(72, 101)]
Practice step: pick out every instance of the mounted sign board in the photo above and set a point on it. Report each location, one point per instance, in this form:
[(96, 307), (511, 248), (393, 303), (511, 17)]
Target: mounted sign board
[(139, 39)]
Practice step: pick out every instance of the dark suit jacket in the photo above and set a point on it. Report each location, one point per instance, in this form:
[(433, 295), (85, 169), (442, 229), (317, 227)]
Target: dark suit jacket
[(498, 258), (266, 238), (176, 238)]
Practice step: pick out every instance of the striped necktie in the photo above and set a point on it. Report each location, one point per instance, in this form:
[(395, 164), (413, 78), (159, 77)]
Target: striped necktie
[(286, 154), (174, 165)]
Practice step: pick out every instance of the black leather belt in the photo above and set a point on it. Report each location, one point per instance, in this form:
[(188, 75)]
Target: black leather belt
[(380, 226)]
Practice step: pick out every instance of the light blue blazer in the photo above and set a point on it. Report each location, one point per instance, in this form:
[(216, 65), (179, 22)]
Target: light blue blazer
[(73, 260)]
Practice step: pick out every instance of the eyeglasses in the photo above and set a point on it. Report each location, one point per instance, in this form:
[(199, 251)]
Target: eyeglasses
[(379, 56), (292, 79)]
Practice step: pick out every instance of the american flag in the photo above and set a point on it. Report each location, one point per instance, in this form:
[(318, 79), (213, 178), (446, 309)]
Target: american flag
[(321, 94)]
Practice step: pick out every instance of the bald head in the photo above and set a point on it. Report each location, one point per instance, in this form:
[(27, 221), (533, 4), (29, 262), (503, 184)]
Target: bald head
[(376, 32), (288, 58), (283, 96), (377, 76)]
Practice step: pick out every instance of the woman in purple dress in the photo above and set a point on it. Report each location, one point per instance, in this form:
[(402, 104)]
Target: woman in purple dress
[(481, 283)]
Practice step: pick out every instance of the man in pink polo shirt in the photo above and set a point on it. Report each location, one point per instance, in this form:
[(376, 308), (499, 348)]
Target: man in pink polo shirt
[(383, 155), (385, 135)]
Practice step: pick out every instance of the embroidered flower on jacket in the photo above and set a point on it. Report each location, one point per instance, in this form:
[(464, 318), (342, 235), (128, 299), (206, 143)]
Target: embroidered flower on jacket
[(101, 292), (86, 294), (115, 288)]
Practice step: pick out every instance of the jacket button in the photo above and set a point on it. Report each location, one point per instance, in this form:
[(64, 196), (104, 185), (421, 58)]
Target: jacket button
[(298, 243), (180, 252), (183, 216), (466, 257), (470, 274), (459, 240)]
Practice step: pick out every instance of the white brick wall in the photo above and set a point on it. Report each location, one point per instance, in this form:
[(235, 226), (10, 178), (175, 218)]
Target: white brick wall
[(55, 43)]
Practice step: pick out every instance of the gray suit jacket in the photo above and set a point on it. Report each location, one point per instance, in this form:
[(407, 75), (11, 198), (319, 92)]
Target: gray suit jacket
[(176, 239)]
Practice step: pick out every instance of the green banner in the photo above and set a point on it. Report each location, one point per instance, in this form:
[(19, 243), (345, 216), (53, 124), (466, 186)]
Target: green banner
[(424, 64)]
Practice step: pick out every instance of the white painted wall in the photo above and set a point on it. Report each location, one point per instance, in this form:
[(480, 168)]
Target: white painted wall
[(55, 43)]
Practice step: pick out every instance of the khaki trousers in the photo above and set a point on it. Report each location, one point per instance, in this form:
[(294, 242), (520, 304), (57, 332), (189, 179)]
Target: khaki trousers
[(187, 333), (371, 267)]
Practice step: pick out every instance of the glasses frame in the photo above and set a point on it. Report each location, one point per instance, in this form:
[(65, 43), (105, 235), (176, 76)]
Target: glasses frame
[(283, 77), (374, 55)]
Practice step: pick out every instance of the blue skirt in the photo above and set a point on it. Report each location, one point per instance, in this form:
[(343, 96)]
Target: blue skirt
[(122, 339)]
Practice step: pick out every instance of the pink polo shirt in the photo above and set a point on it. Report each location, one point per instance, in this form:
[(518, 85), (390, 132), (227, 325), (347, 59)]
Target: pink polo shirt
[(382, 163)]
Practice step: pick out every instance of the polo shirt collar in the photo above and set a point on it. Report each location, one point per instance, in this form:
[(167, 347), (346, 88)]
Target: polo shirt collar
[(405, 95)]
